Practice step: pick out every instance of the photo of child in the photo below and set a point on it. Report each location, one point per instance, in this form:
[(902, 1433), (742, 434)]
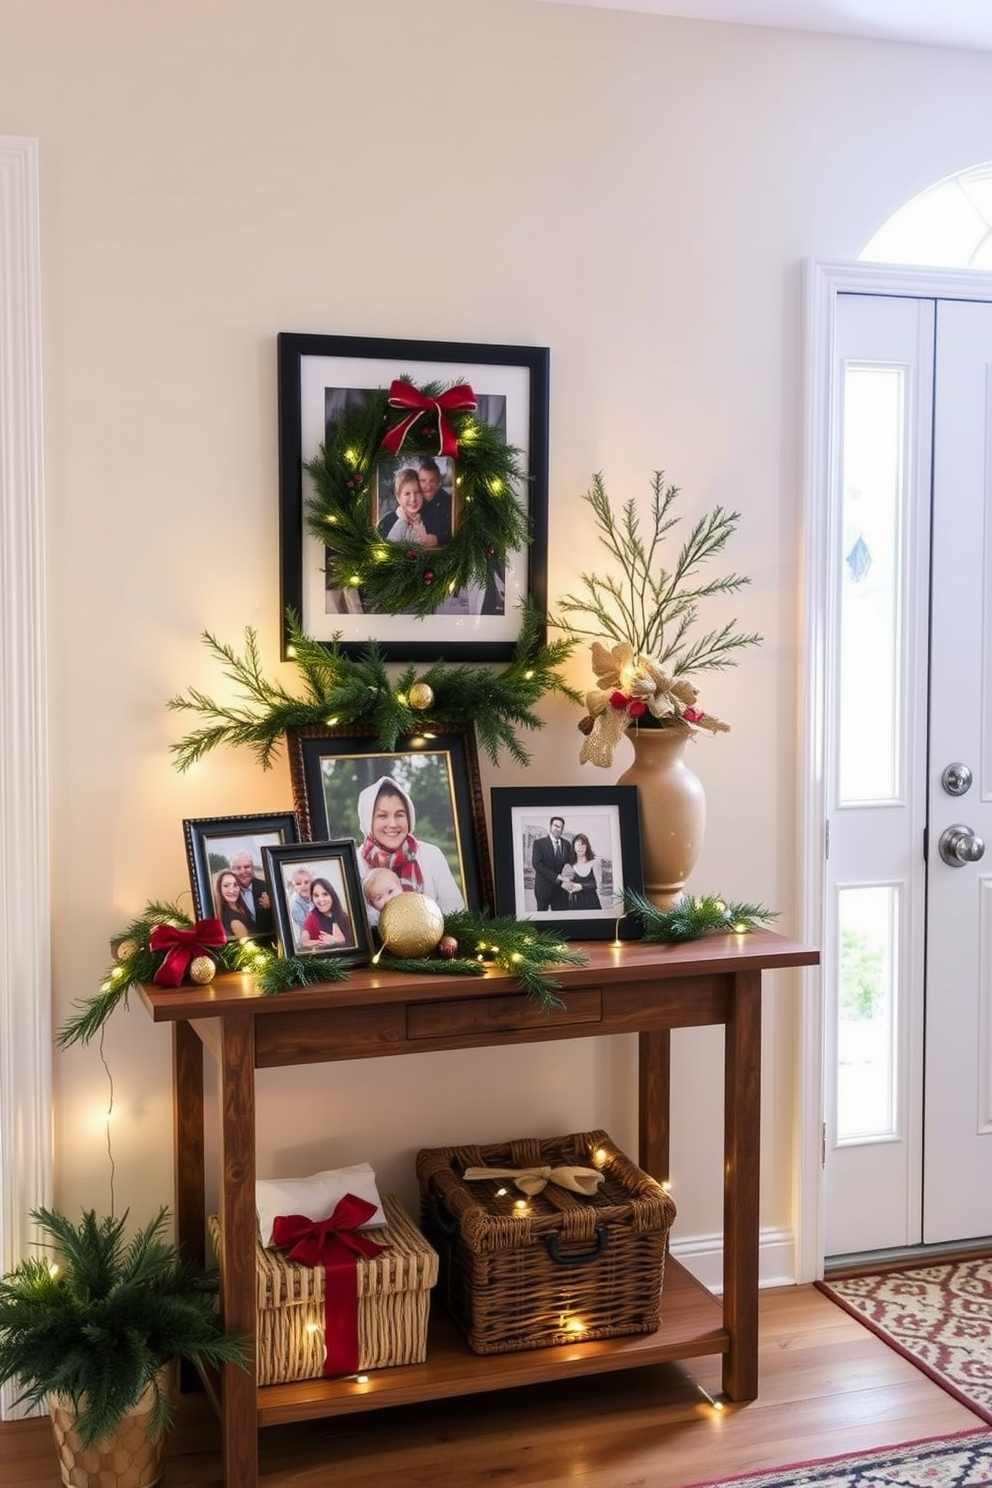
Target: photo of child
[(381, 885)]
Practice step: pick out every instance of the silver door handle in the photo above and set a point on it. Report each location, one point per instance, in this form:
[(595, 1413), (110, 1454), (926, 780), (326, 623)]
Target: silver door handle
[(959, 845)]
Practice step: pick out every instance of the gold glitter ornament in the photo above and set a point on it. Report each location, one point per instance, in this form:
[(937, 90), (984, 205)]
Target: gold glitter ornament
[(410, 925), (201, 969), (127, 949), (421, 696)]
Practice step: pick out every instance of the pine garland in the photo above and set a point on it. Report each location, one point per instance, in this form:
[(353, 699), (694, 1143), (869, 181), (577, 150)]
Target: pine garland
[(340, 689), (396, 577), (517, 947), (693, 916)]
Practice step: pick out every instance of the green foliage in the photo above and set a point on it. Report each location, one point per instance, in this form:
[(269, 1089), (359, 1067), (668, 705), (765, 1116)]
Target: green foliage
[(137, 963), (279, 974), (860, 975), (99, 1325), (399, 577), (652, 607), (693, 916), (517, 947), (340, 689)]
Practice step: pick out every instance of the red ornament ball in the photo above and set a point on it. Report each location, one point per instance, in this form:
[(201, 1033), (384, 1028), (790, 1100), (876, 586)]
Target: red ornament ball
[(447, 947)]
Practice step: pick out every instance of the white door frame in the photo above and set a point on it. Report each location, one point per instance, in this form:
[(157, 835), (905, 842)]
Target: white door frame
[(25, 913), (824, 282)]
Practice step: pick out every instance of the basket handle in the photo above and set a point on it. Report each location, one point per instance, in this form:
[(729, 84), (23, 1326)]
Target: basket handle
[(602, 1240), (443, 1217)]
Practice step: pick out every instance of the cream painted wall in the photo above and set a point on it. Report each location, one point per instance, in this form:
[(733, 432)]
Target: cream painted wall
[(634, 192)]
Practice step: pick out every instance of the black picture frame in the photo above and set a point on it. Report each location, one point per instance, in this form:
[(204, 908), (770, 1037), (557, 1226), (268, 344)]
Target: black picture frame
[(212, 842), (330, 767), (608, 814), (336, 863), (309, 366)]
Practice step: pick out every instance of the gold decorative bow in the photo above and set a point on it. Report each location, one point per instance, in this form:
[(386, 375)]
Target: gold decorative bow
[(535, 1180), (629, 686)]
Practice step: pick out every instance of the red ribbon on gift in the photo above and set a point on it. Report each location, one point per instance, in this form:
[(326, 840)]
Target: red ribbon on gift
[(460, 399), (181, 945), (336, 1244)]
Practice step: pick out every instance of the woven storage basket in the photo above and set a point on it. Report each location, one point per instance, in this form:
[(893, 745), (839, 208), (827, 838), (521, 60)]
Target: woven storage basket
[(394, 1291), (558, 1267)]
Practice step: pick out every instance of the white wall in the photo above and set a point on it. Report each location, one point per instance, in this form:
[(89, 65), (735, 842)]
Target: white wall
[(636, 193)]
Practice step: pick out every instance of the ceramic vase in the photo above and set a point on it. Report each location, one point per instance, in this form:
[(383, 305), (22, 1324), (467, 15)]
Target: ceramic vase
[(672, 810)]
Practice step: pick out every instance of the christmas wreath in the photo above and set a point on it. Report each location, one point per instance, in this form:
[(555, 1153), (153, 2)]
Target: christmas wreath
[(408, 424)]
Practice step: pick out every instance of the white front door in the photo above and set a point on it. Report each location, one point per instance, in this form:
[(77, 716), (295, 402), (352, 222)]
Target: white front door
[(907, 930)]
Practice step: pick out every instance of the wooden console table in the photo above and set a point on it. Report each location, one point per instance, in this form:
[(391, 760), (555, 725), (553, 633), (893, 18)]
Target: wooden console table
[(631, 988)]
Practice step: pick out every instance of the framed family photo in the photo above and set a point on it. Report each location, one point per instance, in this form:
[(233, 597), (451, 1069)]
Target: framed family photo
[(415, 812), (317, 900), (564, 856), (325, 381), (226, 869)]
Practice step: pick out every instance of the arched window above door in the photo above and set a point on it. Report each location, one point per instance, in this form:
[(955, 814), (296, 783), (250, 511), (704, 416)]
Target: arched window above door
[(948, 226)]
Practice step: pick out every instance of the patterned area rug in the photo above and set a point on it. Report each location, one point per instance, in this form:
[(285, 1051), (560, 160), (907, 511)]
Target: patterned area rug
[(945, 1462), (939, 1317)]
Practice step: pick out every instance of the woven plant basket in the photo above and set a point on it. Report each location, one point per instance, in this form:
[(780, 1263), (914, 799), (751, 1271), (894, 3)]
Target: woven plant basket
[(126, 1458), (394, 1291), (554, 1268)]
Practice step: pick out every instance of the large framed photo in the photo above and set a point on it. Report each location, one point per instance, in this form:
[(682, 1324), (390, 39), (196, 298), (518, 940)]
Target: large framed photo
[(415, 812), (565, 855), (226, 869), (317, 900), (413, 495)]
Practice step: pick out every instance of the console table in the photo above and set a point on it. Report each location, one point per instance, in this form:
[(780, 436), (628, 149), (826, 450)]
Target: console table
[(626, 988)]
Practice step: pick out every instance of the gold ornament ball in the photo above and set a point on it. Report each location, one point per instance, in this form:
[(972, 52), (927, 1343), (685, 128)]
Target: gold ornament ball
[(421, 696), (201, 969), (411, 925), (127, 949)]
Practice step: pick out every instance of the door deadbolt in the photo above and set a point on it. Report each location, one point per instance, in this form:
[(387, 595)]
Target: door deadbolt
[(956, 779), (959, 845)]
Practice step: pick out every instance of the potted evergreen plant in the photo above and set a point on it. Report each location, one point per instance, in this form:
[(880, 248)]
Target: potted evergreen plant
[(92, 1331)]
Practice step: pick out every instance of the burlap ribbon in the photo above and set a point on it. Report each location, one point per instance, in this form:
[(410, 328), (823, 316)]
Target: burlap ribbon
[(535, 1180)]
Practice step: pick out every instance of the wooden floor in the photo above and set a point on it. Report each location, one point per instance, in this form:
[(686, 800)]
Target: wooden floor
[(827, 1386)]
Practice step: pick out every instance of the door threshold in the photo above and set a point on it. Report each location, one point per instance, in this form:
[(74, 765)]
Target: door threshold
[(906, 1256)]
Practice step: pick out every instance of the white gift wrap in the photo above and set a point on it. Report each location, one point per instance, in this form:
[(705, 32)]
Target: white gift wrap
[(315, 1197)]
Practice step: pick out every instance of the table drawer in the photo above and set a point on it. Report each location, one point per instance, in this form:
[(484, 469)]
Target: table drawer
[(438, 1020)]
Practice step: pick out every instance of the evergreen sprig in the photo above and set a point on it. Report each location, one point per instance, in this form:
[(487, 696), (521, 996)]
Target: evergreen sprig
[(280, 974), (693, 916), (397, 577), (138, 964), (98, 1326), (517, 947), (652, 607), (340, 689)]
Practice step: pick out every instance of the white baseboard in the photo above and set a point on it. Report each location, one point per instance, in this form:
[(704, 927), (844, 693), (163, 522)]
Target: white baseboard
[(702, 1257)]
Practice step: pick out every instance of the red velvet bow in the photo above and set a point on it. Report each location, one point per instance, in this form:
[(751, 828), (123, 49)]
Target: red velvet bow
[(334, 1243), (460, 399), (620, 700), (182, 945)]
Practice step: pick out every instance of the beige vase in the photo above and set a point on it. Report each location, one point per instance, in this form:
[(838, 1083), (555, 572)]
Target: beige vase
[(673, 811), (127, 1458)]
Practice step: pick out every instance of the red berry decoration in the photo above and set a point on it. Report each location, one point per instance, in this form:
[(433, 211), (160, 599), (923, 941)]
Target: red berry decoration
[(429, 576), (447, 947)]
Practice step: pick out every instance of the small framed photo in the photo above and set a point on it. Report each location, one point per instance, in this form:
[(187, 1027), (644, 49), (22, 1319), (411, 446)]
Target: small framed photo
[(226, 871), (415, 812), (414, 498), (564, 857), (317, 900)]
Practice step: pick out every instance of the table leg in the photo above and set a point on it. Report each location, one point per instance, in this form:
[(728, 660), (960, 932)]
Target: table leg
[(239, 1400), (742, 1158), (190, 1188), (654, 1068)]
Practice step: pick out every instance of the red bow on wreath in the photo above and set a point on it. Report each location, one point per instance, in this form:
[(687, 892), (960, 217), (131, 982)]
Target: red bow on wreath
[(460, 399), (181, 946)]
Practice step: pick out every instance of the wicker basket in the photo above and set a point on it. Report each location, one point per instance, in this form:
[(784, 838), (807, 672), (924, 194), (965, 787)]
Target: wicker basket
[(394, 1291), (559, 1267)]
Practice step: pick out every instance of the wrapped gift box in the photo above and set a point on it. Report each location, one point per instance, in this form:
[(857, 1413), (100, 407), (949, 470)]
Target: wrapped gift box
[(393, 1298), (528, 1270)]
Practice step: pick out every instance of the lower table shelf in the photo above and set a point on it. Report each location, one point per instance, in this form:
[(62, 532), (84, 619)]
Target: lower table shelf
[(691, 1327)]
